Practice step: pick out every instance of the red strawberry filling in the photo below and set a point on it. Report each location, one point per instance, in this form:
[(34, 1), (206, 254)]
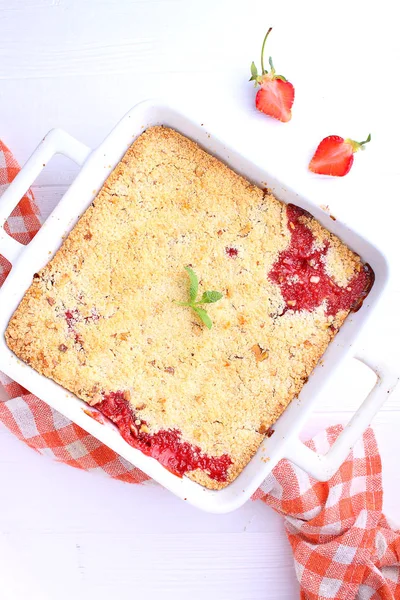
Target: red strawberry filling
[(301, 276), (95, 415), (231, 251), (166, 446), (305, 285), (74, 316)]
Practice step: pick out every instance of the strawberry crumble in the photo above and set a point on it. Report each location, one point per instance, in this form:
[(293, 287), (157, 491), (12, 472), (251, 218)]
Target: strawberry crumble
[(106, 317)]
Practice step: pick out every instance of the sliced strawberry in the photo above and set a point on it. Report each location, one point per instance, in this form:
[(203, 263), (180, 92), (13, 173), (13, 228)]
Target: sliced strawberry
[(275, 98), (335, 155), (276, 95)]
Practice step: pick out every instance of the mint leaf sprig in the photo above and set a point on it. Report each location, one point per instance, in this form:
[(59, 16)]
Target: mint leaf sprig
[(208, 297)]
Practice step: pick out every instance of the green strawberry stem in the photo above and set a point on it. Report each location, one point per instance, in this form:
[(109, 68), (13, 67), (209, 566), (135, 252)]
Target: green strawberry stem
[(359, 145), (263, 71), (366, 141)]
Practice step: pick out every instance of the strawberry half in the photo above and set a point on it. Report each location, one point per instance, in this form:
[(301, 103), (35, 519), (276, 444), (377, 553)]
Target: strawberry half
[(335, 155), (276, 95)]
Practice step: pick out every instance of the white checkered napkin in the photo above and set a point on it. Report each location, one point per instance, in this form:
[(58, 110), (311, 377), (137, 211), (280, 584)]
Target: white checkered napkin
[(50, 433), (23, 223), (343, 547)]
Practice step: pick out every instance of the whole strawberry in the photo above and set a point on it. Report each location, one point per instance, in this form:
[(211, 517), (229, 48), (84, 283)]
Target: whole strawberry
[(276, 95), (335, 155)]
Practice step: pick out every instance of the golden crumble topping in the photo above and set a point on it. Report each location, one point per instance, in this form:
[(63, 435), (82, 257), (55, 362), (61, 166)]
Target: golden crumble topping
[(100, 318)]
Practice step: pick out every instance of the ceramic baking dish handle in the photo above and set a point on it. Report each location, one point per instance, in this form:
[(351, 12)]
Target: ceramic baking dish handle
[(56, 141), (323, 467)]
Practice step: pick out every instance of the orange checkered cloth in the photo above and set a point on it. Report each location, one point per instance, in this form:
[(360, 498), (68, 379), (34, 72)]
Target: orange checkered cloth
[(343, 546)]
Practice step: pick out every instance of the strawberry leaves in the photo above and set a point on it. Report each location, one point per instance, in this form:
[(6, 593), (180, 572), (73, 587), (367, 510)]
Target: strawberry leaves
[(208, 297), (254, 73)]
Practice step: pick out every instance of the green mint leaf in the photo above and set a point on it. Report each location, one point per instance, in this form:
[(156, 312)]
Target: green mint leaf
[(194, 284), (202, 314), (210, 297)]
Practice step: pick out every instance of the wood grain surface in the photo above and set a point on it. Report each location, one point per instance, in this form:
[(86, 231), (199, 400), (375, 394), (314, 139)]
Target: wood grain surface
[(80, 65)]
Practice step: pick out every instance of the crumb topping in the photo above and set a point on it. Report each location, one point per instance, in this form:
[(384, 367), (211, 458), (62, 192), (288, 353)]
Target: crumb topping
[(100, 318)]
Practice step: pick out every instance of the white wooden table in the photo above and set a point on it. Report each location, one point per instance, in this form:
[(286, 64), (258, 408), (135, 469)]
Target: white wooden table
[(80, 65)]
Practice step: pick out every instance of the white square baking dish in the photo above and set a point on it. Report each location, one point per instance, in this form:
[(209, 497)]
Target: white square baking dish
[(96, 165)]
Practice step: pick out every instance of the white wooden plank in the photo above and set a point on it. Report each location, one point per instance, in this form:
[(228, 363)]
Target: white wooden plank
[(74, 522), (47, 197), (94, 565), (80, 65)]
